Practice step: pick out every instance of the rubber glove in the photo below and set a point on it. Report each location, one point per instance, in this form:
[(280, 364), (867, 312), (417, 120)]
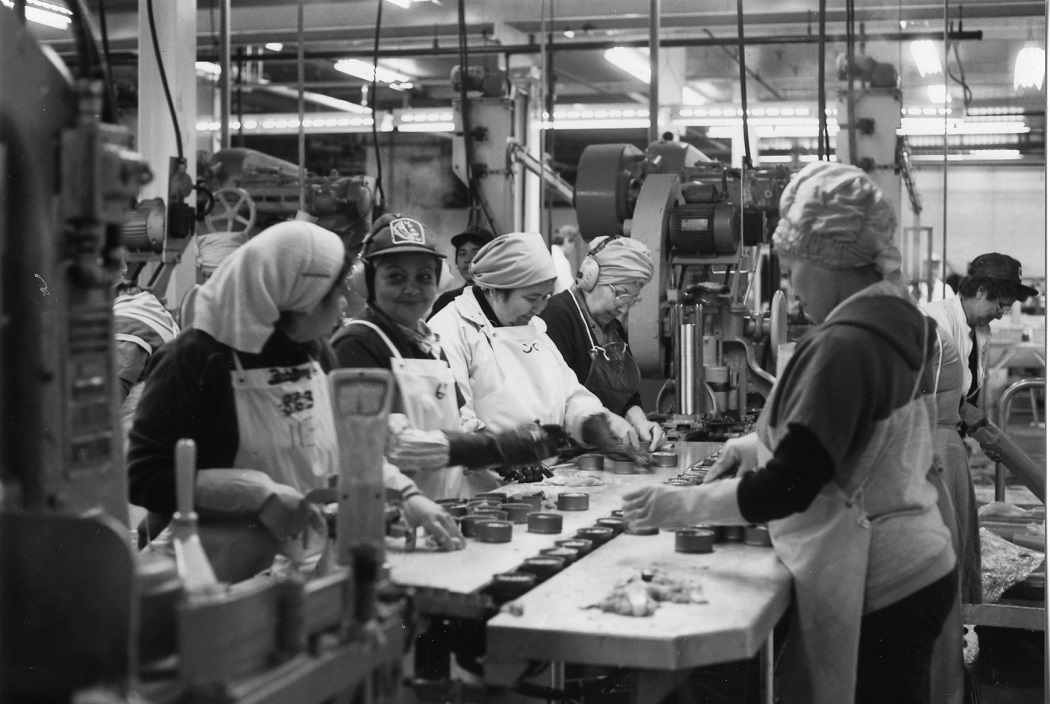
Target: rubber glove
[(650, 433), (421, 511), (413, 449), (739, 455), (671, 507), (608, 431)]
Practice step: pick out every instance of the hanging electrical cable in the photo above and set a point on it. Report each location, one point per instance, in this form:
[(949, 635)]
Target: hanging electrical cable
[(380, 203), (961, 79), (108, 58), (822, 95), (92, 63), (164, 79), (743, 79)]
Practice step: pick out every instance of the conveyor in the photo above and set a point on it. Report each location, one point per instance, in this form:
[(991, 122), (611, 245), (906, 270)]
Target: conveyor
[(747, 591)]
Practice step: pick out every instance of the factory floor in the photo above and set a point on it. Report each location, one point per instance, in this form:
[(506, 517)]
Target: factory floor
[(1011, 664)]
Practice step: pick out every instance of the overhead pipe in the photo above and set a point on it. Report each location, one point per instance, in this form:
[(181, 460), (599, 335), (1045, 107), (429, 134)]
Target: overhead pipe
[(533, 48), (560, 186)]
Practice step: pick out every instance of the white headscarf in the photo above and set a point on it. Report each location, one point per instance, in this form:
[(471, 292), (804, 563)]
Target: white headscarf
[(516, 260), (622, 260), (289, 267), (834, 215)]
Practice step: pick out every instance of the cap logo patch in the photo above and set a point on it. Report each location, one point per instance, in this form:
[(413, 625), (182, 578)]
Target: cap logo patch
[(407, 231)]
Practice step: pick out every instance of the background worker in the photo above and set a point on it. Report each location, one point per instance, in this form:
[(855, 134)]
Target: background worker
[(398, 273), (466, 244), (991, 287), (586, 324), (248, 381), (565, 244), (843, 484), (509, 370)]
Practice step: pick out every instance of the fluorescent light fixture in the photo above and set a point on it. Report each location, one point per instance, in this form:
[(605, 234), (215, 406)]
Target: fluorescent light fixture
[(274, 46), (924, 51), (318, 99), (595, 124), (1030, 68), (427, 127), (916, 126), (939, 93), (691, 97), (774, 159), (632, 61), (569, 34), (403, 4), (364, 70), (45, 13)]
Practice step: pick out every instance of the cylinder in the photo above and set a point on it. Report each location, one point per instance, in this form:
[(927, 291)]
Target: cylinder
[(494, 531), (573, 501), (541, 522), (685, 369), (590, 463), (580, 545), (694, 540), (544, 566), (517, 512)]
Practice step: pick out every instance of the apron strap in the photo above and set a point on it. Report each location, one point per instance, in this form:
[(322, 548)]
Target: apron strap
[(586, 326), (236, 361), (382, 335)]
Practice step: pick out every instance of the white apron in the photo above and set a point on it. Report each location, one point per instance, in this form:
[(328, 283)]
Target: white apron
[(820, 655), (428, 397), (533, 386), (285, 423)]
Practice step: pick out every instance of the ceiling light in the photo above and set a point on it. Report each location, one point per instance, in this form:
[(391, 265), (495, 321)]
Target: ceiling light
[(364, 70), (632, 61), (46, 13), (207, 68), (403, 4), (926, 59), (939, 93), (274, 46), (569, 33), (1030, 68)]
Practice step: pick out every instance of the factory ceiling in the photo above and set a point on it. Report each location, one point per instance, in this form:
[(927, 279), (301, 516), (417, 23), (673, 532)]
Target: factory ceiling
[(567, 41)]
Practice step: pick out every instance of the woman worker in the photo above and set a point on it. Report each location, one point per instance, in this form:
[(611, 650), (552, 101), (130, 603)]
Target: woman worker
[(585, 324), (398, 272), (248, 382), (838, 463), (509, 370)]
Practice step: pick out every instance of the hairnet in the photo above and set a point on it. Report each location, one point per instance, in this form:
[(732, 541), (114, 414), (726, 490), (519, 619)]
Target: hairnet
[(835, 216), (513, 261), (623, 260), (289, 267)]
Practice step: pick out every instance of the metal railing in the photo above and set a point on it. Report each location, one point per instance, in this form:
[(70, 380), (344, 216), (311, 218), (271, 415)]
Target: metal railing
[(1003, 418)]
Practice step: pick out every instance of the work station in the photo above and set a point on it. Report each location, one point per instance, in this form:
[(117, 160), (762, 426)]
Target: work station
[(376, 351)]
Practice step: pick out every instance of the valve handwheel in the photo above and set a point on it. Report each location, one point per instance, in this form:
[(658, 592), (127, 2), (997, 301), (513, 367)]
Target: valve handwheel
[(234, 212)]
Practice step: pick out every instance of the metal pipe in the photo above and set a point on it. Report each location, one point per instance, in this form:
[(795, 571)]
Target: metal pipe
[(1003, 419), (698, 358), (654, 70), (559, 185), (224, 74), (532, 48), (302, 108), (686, 387)]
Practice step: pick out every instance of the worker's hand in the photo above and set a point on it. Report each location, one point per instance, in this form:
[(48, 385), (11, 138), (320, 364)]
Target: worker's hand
[(671, 507), (608, 431), (421, 511), (526, 444), (650, 433), (739, 456)]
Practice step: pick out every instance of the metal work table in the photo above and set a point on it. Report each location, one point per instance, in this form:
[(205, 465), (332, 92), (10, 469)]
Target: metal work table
[(747, 590)]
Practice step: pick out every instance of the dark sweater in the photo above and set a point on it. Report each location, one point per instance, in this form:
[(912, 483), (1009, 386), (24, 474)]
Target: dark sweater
[(188, 394), (444, 299), (569, 333)]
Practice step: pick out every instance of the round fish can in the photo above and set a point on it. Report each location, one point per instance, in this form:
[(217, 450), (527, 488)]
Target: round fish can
[(492, 512), (622, 466), (468, 525), (495, 531), (590, 463), (574, 501), (617, 524), (543, 522), (534, 500), (694, 540), (665, 459), (517, 513), (568, 554), (455, 510), (719, 531), (508, 586), (498, 496), (599, 535), (757, 535), (649, 530), (580, 545), (733, 534), (479, 503), (543, 566)]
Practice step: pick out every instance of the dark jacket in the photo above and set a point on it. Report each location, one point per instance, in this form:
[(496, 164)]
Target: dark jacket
[(444, 299), (188, 394), (569, 333)]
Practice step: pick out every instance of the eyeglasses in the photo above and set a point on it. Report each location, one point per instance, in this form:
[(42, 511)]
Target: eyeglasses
[(623, 298), (999, 304)]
